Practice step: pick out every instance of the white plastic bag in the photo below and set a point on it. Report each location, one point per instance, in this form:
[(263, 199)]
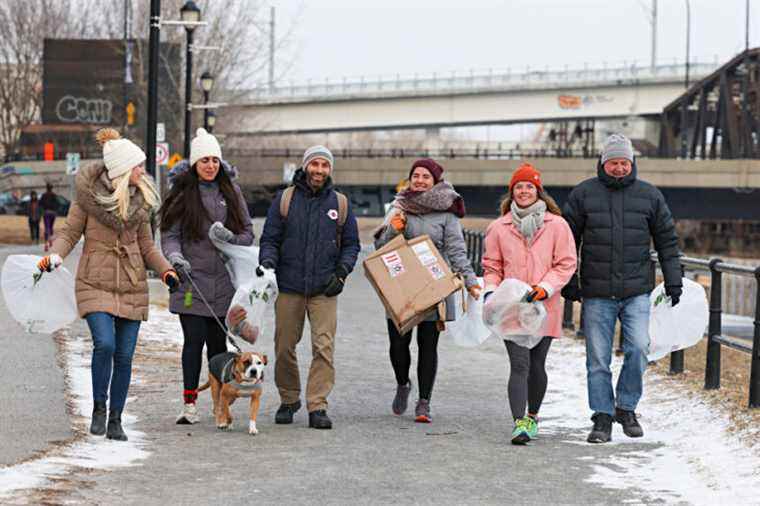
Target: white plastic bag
[(41, 303), (675, 328), (468, 330), (509, 317), (254, 296), (253, 293)]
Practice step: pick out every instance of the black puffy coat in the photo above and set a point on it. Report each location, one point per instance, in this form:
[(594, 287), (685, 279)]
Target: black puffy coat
[(614, 222)]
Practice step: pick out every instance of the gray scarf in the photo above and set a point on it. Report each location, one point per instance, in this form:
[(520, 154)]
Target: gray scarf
[(529, 219)]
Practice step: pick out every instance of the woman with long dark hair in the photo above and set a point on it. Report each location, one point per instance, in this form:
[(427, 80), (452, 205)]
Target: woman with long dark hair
[(203, 201)]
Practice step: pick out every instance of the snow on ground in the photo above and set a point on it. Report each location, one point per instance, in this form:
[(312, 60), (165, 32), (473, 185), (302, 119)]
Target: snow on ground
[(88, 451), (688, 452)]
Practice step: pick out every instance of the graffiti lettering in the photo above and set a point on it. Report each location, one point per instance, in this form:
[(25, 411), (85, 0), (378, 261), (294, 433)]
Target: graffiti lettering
[(84, 110)]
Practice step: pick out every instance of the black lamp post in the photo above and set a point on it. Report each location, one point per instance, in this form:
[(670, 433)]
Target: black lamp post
[(207, 84), (686, 99), (189, 13)]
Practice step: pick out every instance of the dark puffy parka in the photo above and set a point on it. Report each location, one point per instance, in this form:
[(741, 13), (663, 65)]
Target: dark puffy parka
[(303, 248), (614, 221)]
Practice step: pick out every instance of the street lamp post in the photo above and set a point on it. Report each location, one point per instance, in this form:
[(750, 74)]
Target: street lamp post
[(685, 103), (155, 37), (189, 13), (207, 83), (210, 120)]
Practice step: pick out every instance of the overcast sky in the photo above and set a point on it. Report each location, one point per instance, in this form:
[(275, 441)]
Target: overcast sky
[(336, 38)]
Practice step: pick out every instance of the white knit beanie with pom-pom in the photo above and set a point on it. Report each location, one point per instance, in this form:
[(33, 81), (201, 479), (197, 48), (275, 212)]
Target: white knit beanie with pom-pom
[(119, 155), (204, 144)]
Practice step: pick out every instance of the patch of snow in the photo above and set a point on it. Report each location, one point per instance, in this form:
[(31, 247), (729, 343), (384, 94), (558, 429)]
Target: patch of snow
[(688, 452)]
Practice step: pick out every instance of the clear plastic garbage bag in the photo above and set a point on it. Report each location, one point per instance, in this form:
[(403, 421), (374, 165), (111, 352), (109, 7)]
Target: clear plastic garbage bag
[(253, 293), (468, 330), (509, 317), (675, 328), (40, 302)]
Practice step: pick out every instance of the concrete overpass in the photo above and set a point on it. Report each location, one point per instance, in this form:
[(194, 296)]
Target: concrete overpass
[(483, 99)]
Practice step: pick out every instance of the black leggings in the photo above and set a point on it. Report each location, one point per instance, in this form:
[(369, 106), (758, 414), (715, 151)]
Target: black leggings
[(427, 360), (527, 376), (34, 230), (197, 331)]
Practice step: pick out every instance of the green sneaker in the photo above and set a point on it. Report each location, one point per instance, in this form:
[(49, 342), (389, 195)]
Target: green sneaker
[(532, 427), (520, 434)]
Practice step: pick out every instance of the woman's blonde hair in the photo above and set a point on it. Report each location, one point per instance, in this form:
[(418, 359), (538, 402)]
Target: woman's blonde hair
[(118, 200), (551, 205)]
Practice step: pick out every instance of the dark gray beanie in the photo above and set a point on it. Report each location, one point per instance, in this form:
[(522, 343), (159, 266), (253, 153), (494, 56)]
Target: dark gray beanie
[(617, 146)]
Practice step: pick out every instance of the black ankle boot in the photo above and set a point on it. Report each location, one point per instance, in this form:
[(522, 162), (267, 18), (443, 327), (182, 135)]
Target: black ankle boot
[(98, 425), (114, 426)]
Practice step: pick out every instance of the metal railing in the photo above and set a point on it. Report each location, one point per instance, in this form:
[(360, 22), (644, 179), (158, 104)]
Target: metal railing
[(445, 153), (626, 72), (715, 338)]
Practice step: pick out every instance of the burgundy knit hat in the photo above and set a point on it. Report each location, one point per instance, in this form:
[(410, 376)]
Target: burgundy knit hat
[(431, 165)]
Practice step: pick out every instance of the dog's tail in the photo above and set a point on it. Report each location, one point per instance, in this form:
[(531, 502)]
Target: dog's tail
[(203, 387)]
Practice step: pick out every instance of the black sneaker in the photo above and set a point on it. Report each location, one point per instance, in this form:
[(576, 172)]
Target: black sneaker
[(602, 431), (285, 413), (630, 424), (319, 420)]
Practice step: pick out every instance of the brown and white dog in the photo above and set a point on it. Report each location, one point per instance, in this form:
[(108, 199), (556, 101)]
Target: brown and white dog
[(233, 375)]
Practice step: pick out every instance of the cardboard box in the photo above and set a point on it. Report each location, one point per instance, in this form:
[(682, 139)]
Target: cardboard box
[(412, 279)]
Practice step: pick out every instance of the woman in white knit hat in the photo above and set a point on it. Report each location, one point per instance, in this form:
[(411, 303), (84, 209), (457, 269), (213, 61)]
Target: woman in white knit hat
[(203, 200), (112, 210)]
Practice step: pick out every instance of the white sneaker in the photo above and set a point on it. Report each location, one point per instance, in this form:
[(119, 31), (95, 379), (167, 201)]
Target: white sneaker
[(189, 415)]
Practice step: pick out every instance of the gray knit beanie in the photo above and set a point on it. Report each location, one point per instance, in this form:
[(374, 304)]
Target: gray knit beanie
[(617, 146), (317, 152)]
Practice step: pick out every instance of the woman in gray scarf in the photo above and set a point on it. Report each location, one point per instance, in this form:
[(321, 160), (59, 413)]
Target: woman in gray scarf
[(430, 206), (530, 242)]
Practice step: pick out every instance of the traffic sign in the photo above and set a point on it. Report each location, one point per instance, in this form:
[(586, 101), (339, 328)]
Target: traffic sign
[(160, 132), (174, 160), (72, 163), (162, 153)]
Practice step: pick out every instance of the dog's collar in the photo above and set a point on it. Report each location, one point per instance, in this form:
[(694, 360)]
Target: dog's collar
[(246, 386)]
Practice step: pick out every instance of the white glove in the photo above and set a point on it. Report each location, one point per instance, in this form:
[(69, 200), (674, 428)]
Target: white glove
[(221, 233)]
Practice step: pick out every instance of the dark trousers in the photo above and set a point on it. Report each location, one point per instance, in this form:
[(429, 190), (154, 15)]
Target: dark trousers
[(199, 330), (34, 230), (49, 218), (427, 357), (527, 376)]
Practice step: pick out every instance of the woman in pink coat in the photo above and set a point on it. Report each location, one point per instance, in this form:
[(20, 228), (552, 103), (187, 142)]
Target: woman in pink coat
[(530, 242)]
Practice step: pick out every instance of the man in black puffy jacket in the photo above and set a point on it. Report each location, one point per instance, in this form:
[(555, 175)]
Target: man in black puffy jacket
[(614, 218)]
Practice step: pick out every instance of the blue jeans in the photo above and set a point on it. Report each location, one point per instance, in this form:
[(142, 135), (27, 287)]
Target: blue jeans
[(599, 318), (114, 340)]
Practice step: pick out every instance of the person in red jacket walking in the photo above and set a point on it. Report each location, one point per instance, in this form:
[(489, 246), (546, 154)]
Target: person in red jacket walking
[(530, 242)]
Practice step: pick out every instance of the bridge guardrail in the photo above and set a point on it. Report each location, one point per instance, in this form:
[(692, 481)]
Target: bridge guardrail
[(715, 338), (477, 153)]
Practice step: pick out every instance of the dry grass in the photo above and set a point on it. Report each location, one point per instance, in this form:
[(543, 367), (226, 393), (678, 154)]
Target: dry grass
[(15, 229)]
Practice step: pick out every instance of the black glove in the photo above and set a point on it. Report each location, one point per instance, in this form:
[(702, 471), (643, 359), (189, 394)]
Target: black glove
[(337, 281), (674, 292), (172, 281), (572, 291), (265, 265), (485, 296)]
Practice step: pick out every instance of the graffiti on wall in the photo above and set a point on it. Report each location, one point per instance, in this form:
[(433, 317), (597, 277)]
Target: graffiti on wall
[(581, 101), (72, 109)]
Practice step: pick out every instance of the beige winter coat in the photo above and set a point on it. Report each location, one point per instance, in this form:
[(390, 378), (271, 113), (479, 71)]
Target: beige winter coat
[(111, 276)]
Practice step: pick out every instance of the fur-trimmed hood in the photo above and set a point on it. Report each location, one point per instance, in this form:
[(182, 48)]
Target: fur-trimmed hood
[(93, 180)]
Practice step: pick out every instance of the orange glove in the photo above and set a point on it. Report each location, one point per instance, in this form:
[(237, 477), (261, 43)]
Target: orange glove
[(171, 279), (398, 222), (474, 291), (537, 294), (49, 263)]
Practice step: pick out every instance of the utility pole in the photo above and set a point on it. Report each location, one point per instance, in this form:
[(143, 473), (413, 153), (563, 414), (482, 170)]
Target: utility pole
[(271, 49), (155, 38), (654, 35), (746, 28)]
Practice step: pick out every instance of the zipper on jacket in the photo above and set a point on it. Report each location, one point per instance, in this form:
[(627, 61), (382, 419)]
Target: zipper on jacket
[(118, 268)]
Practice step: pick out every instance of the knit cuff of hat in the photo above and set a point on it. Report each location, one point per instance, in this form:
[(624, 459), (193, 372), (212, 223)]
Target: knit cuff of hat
[(120, 156), (317, 152)]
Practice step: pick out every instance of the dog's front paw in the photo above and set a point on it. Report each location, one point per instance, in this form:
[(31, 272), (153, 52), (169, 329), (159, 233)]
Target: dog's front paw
[(224, 426), (252, 430)]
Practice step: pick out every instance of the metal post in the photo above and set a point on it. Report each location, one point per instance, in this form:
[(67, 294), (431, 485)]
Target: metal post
[(712, 368), (567, 316), (188, 92), (654, 36), (676, 358), (746, 28), (271, 49), (155, 37), (206, 110), (685, 103), (754, 377)]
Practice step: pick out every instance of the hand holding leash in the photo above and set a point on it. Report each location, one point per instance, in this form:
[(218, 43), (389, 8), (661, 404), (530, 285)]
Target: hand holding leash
[(49, 263)]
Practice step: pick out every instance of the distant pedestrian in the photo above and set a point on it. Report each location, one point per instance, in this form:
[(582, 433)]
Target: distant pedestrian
[(530, 242), (50, 205), (430, 206), (112, 210), (311, 239), (34, 213), (202, 200), (614, 218)]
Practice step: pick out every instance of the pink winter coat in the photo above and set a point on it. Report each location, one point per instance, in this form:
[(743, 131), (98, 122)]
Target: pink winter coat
[(549, 261)]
